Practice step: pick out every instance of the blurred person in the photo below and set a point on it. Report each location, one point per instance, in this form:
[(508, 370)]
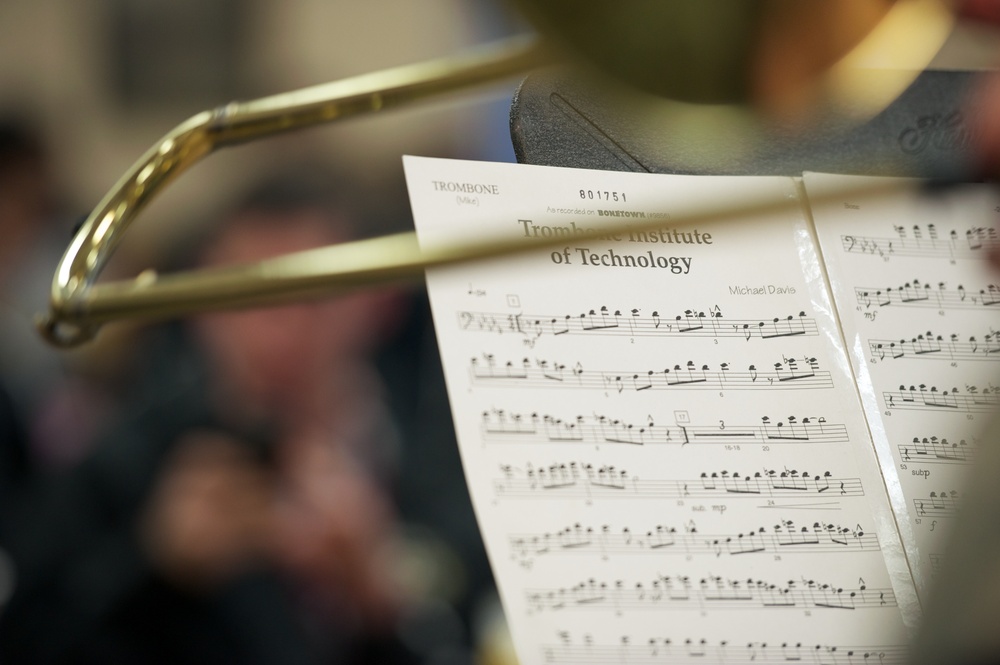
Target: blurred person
[(242, 513), (304, 374), (323, 371), (25, 213), (59, 401), (39, 394)]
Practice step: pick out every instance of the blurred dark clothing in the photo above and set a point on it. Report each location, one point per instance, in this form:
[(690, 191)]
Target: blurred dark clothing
[(14, 466), (431, 490), (87, 593), (297, 552)]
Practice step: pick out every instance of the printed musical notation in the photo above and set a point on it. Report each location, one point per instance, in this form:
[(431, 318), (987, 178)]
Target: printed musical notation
[(665, 651), (925, 243), (631, 323), (583, 480), (789, 374), (934, 450), (540, 355), (918, 294), (712, 592), (782, 538), (924, 398), (938, 504), (938, 347), (938, 304), (502, 426), (937, 563)]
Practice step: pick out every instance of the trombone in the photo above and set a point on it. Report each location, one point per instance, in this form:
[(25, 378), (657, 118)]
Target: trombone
[(629, 49)]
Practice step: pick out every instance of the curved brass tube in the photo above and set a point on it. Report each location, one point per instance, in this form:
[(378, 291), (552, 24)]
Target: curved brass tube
[(76, 310), (78, 306)]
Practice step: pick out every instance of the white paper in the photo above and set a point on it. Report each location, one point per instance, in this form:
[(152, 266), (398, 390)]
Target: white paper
[(919, 305), (666, 453)]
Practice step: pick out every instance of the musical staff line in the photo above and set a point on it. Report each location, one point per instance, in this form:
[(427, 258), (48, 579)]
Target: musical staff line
[(934, 450), (574, 481), (938, 504), (664, 651), (502, 426), (812, 505), (631, 323), (937, 347), (917, 294), (957, 245), (789, 374), (782, 538), (924, 398), (681, 592)]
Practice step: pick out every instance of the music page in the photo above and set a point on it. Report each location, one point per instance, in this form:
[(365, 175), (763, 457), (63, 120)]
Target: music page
[(919, 304), (660, 430)]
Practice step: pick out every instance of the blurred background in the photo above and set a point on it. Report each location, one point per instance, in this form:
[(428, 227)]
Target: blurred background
[(103, 79), (89, 532), (87, 87)]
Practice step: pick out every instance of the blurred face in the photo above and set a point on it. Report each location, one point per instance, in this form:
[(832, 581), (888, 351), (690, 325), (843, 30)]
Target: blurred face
[(269, 352)]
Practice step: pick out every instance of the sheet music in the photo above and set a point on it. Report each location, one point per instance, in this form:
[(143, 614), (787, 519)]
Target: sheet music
[(919, 310), (660, 430)]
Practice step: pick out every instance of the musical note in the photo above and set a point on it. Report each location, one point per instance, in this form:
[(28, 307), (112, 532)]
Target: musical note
[(938, 450), (939, 347), (575, 480), (785, 537), (504, 426), (937, 504), (959, 245), (789, 374), (630, 323), (918, 294), (683, 651), (710, 592), (581, 394), (931, 398)]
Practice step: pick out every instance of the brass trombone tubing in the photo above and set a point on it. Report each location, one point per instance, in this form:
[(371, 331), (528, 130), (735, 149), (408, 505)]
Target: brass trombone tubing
[(74, 300), (323, 271), (78, 306)]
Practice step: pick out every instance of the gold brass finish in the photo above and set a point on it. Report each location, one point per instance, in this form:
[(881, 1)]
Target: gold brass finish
[(775, 53), (69, 320), (326, 270), (78, 306)]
